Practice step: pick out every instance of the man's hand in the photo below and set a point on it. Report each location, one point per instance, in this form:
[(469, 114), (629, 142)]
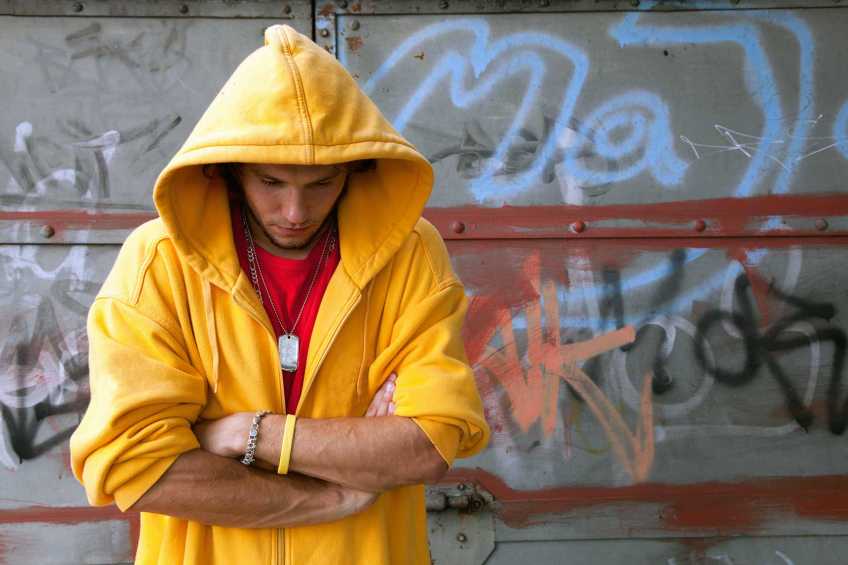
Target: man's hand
[(383, 402), (226, 436)]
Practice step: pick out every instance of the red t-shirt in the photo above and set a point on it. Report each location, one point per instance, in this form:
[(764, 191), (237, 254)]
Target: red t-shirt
[(287, 281)]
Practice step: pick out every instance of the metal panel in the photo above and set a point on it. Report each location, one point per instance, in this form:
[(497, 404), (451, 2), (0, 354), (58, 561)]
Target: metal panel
[(611, 109), (520, 7), (45, 292), (96, 109), (291, 10), (742, 551), (673, 174), (61, 544), (737, 363)]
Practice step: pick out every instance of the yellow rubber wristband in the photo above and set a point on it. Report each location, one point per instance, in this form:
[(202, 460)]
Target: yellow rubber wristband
[(288, 441)]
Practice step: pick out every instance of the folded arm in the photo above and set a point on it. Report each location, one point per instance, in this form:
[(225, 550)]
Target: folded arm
[(371, 453), (215, 490)]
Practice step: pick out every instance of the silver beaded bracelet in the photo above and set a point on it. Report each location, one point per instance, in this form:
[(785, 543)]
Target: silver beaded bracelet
[(253, 438)]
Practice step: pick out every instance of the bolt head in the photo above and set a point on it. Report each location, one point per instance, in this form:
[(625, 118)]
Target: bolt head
[(461, 538), (578, 227), (287, 9), (78, 7), (700, 225), (354, 25), (325, 32), (458, 227), (444, 4), (343, 4), (184, 8), (47, 231), (821, 224)]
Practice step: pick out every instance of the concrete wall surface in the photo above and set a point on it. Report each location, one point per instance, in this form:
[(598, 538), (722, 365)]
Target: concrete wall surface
[(647, 202)]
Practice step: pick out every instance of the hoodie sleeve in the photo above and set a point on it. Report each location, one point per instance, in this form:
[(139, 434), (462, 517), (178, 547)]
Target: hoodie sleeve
[(145, 395), (436, 385)]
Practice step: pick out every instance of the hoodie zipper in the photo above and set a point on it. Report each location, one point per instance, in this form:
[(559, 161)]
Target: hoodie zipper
[(282, 536)]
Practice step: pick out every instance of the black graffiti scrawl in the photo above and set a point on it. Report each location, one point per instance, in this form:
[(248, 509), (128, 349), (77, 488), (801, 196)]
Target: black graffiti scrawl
[(761, 348)]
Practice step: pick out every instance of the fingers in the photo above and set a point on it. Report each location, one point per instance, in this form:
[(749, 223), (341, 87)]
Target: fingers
[(382, 404), (387, 397)]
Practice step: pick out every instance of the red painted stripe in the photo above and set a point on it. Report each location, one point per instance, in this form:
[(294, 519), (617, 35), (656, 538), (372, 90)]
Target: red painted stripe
[(720, 508), (64, 514), (723, 216), (62, 220)]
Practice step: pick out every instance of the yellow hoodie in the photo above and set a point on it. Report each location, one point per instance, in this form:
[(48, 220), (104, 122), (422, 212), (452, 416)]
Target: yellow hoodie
[(177, 332)]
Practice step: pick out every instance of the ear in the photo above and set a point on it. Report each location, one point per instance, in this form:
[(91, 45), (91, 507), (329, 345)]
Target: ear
[(231, 174)]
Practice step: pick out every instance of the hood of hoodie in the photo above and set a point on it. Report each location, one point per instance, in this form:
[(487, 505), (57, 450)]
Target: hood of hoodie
[(291, 102)]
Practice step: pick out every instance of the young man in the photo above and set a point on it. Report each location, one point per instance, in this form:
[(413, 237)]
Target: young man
[(276, 361)]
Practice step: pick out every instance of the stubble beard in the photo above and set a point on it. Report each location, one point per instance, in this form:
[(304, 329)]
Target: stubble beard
[(289, 246)]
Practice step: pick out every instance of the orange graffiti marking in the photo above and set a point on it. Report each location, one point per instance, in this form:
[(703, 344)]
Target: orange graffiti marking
[(533, 386), (533, 391), (635, 451)]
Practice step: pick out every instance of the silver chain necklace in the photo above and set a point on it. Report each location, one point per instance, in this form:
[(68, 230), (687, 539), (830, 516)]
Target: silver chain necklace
[(288, 344)]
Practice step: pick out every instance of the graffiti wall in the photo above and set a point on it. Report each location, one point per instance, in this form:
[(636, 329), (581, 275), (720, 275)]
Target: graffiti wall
[(646, 202), (648, 209)]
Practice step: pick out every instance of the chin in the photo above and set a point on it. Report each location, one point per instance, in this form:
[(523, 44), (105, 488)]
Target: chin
[(292, 243)]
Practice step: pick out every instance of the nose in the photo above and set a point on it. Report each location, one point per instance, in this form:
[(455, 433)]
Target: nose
[(294, 208)]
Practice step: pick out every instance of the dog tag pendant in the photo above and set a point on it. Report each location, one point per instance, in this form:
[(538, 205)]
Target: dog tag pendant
[(289, 346)]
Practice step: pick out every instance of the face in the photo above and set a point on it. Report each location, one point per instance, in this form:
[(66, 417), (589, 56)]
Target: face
[(290, 203)]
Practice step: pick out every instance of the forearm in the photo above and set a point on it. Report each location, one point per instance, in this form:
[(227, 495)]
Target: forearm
[(219, 491), (373, 454)]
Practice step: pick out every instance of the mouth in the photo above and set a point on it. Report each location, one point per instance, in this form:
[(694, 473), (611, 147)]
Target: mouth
[(291, 231)]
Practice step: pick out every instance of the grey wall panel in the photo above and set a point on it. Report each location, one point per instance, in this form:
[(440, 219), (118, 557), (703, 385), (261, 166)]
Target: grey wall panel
[(46, 292), (96, 108), (93, 109), (728, 356), (71, 544), (747, 551), (659, 170), (612, 108)]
